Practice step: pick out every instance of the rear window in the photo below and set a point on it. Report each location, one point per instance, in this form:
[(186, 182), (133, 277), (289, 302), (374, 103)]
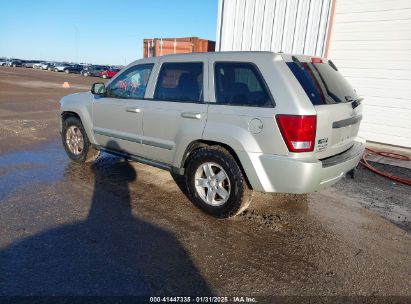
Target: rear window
[(240, 84), (322, 82)]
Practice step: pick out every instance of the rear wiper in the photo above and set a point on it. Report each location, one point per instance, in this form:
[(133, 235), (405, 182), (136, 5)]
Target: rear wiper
[(356, 102), (332, 65)]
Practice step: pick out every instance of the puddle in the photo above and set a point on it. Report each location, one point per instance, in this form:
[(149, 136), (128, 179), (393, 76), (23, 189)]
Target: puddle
[(23, 168), (50, 164)]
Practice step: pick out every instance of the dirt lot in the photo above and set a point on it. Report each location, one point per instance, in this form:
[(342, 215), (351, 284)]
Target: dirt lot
[(123, 228)]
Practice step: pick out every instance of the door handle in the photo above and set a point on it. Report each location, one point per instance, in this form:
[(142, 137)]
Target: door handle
[(133, 110), (191, 115)]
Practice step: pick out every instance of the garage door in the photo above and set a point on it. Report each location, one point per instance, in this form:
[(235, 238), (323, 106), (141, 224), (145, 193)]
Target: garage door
[(370, 43)]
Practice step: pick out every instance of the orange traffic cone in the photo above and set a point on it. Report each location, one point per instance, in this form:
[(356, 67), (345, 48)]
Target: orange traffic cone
[(66, 85)]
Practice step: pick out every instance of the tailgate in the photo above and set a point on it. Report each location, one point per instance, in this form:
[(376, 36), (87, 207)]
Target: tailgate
[(337, 127), (338, 107)]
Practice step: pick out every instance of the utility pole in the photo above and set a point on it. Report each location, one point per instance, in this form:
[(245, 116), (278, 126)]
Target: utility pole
[(76, 41)]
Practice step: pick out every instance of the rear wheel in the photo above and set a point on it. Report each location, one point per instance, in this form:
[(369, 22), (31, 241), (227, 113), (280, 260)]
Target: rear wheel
[(76, 142), (215, 182), (67, 71)]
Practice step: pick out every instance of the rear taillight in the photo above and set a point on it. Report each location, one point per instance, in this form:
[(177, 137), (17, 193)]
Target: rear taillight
[(298, 131)]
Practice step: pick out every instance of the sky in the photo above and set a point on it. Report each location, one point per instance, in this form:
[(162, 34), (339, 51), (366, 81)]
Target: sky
[(98, 31)]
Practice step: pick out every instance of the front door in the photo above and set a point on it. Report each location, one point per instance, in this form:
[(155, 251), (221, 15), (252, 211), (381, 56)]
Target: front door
[(118, 117)]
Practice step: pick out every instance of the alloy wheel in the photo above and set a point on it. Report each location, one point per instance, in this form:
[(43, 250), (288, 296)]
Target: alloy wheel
[(74, 140), (212, 184)]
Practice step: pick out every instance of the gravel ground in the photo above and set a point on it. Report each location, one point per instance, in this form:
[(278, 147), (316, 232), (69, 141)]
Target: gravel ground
[(123, 228), (390, 199)]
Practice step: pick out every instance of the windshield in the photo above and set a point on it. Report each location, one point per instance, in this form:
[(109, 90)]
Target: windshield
[(322, 82)]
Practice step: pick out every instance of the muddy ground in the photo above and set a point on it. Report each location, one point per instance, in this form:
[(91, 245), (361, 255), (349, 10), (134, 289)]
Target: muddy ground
[(123, 228)]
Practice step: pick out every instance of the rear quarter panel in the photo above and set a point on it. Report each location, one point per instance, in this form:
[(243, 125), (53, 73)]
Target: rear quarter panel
[(233, 125)]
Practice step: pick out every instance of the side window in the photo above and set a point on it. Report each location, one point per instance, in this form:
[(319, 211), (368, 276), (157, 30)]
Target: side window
[(180, 82), (238, 83), (132, 83)]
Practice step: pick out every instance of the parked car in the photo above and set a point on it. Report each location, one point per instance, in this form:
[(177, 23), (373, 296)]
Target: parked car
[(30, 63), (75, 68), (230, 123), (44, 65), (15, 63), (94, 70), (3, 61), (60, 67), (51, 66), (110, 73), (38, 65)]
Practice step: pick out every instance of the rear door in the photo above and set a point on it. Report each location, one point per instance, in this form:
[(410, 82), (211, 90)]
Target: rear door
[(338, 107), (177, 113)]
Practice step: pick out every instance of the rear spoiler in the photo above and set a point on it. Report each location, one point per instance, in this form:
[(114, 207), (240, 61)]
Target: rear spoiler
[(312, 60)]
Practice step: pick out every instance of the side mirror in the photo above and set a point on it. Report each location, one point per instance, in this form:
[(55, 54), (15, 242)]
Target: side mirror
[(98, 89)]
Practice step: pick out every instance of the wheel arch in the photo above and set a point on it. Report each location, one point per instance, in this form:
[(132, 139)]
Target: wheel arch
[(86, 124), (66, 114), (201, 143)]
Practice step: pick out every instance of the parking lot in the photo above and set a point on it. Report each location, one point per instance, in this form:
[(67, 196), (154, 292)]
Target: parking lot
[(123, 228)]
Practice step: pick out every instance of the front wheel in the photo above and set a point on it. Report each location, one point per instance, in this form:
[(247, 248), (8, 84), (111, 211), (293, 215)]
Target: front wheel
[(76, 142), (216, 184), (67, 71)]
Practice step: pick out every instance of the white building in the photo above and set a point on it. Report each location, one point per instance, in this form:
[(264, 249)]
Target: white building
[(369, 41)]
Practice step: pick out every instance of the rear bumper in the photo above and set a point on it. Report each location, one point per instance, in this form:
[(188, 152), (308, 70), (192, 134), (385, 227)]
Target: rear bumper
[(274, 173)]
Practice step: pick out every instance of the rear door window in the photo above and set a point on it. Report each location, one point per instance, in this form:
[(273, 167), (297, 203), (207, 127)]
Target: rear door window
[(238, 83), (180, 81), (322, 82)]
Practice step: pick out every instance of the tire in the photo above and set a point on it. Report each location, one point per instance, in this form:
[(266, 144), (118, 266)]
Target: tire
[(87, 153), (14, 65), (239, 194), (104, 76), (85, 74), (67, 71)]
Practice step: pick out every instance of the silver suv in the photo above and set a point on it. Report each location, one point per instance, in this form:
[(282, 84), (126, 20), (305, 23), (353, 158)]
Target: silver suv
[(229, 122)]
